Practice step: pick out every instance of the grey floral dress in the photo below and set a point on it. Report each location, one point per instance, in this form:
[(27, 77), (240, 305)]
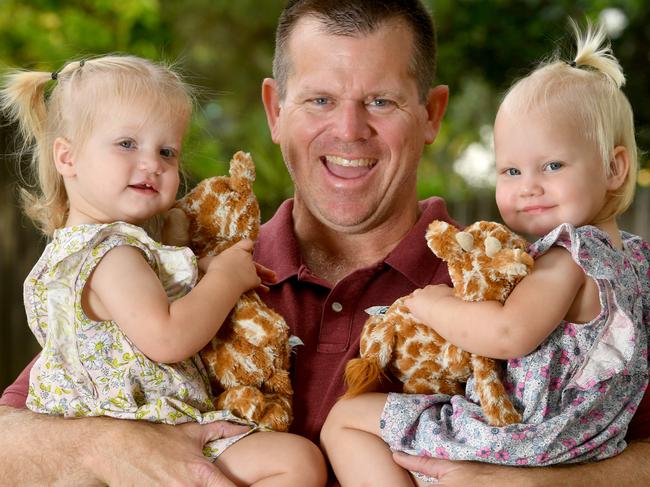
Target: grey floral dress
[(577, 391), (90, 368)]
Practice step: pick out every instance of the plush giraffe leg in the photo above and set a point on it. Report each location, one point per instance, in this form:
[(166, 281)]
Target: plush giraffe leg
[(245, 402), (277, 412), (495, 402), (420, 385)]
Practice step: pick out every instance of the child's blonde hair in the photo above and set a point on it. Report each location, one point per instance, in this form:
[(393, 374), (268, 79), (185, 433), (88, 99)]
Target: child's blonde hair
[(70, 109), (587, 89)]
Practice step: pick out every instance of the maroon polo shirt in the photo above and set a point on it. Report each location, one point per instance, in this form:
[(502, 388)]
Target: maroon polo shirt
[(329, 319)]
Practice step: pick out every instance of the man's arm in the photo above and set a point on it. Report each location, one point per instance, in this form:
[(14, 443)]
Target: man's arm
[(45, 450), (629, 468)]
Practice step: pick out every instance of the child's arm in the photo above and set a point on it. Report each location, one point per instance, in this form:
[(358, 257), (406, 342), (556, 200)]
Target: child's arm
[(125, 289), (531, 312)]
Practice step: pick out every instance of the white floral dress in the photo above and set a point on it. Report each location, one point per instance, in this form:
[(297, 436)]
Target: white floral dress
[(577, 391), (90, 368)]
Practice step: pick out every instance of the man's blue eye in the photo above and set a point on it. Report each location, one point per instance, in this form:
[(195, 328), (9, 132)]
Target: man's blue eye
[(380, 102), (320, 101)]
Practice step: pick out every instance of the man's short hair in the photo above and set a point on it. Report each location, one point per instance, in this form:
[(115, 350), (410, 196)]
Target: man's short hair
[(360, 17)]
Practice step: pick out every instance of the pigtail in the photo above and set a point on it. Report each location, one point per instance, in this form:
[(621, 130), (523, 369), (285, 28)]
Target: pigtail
[(22, 99), (594, 50)]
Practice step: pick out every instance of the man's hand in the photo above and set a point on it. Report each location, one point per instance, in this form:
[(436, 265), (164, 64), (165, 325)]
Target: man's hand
[(145, 454), (100, 451), (461, 473)]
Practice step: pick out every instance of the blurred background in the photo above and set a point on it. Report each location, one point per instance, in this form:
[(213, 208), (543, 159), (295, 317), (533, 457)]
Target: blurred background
[(224, 48)]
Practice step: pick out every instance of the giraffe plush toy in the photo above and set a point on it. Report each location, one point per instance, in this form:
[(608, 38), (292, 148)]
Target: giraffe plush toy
[(248, 360), (485, 262)]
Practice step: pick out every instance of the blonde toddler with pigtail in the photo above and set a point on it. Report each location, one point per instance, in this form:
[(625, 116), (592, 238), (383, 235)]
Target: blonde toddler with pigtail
[(574, 332), (120, 316)]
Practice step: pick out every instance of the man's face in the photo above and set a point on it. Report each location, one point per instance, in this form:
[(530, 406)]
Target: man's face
[(351, 126)]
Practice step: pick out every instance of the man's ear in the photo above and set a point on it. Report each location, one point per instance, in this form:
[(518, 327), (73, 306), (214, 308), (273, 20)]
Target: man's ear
[(436, 105), (271, 100), (63, 158), (619, 166)]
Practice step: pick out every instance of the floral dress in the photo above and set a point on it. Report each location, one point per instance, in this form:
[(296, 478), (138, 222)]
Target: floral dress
[(577, 391), (90, 368)]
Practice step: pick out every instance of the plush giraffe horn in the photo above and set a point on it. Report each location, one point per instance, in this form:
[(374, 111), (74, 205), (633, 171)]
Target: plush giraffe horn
[(465, 240), (492, 246)]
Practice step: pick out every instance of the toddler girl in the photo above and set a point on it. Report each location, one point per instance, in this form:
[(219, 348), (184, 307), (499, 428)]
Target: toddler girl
[(574, 331), (120, 316)]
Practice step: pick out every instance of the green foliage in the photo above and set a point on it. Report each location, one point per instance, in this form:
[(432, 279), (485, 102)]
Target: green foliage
[(224, 48)]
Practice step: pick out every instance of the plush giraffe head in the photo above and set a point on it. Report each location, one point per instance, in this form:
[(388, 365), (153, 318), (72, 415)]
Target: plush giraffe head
[(486, 260), (219, 211)]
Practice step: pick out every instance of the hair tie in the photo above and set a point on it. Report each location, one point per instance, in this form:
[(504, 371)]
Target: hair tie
[(54, 75), (81, 63), (572, 64)]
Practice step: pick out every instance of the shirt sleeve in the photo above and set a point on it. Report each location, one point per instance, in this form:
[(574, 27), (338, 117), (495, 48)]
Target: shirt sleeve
[(640, 425), (16, 394)]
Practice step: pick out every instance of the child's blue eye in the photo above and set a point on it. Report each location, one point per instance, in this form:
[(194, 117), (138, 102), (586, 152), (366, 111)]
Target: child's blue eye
[(127, 144), (554, 166), (167, 153), (511, 171)]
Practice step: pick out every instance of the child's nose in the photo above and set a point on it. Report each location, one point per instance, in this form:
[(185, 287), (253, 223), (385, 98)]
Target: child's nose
[(151, 164), (530, 186)]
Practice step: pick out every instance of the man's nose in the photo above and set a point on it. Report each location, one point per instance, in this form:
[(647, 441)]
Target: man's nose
[(351, 122)]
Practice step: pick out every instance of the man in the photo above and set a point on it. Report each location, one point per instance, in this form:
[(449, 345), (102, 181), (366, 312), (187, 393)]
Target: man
[(351, 106)]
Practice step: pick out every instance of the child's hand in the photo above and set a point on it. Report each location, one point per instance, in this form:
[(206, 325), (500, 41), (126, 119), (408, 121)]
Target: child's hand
[(423, 302), (265, 274), (236, 265)]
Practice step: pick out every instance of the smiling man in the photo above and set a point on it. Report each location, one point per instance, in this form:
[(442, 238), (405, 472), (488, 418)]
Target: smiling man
[(352, 114)]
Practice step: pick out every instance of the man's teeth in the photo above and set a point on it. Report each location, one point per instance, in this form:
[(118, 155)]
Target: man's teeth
[(340, 161)]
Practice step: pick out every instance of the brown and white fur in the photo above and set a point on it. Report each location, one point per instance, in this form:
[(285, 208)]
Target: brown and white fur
[(248, 360), (485, 261)]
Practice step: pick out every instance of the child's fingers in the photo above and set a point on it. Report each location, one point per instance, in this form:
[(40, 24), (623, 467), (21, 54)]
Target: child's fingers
[(245, 244), (265, 273)]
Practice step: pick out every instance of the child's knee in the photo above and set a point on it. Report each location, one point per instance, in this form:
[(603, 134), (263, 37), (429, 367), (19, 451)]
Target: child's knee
[(338, 418), (306, 462)]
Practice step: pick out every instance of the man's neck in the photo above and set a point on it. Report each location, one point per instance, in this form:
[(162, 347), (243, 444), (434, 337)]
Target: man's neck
[(333, 255)]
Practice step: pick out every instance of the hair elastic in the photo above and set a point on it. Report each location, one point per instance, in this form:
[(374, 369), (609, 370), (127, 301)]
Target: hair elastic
[(54, 75), (572, 64)]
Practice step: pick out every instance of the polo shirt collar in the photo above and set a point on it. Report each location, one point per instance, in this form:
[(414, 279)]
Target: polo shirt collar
[(412, 257), (278, 249)]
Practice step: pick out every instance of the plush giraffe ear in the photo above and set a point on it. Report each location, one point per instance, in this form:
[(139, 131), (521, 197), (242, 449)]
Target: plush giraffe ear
[(242, 167), (441, 239)]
